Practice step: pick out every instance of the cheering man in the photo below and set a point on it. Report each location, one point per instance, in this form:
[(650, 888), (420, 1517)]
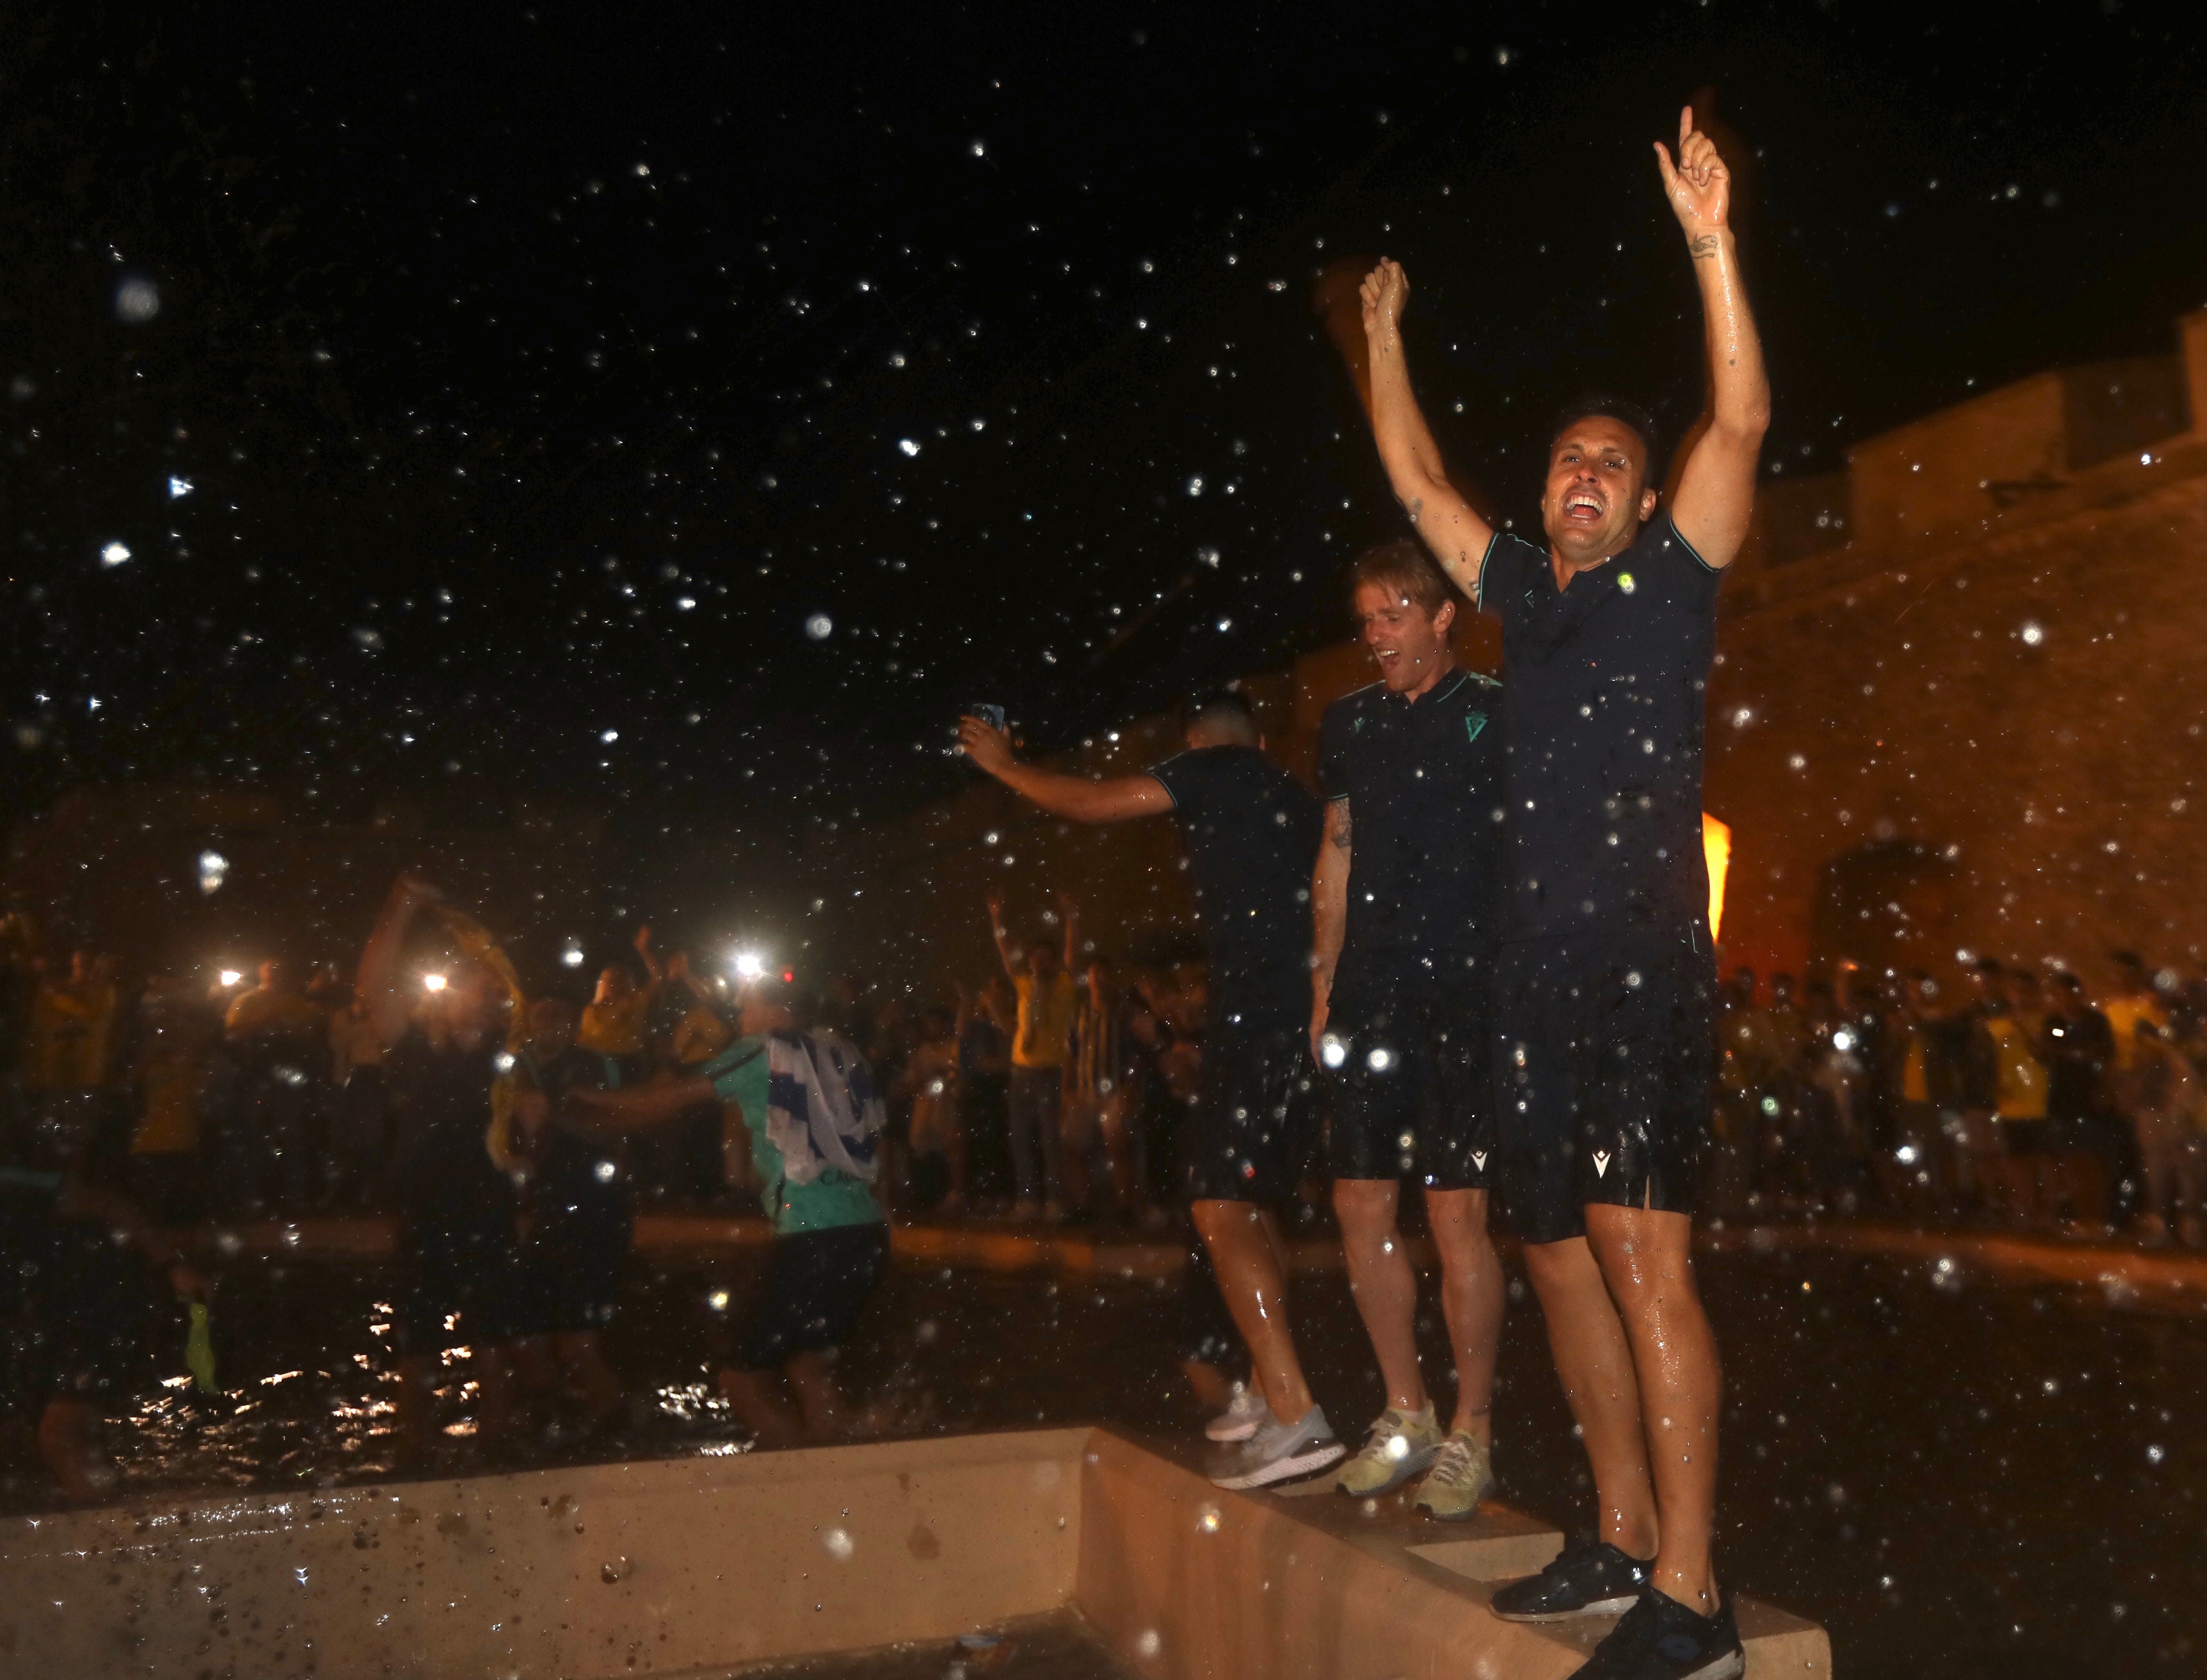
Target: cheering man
[(1402, 897), (1249, 830), (1602, 1028)]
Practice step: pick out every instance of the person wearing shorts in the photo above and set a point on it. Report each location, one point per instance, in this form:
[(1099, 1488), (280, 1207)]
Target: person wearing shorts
[(831, 1240), (1249, 830), (1605, 988), (581, 1226), (456, 1244), (1404, 892)]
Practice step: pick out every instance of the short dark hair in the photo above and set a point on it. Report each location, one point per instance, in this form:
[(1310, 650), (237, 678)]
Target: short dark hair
[(1622, 409), (1222, 705), (1404, 567)]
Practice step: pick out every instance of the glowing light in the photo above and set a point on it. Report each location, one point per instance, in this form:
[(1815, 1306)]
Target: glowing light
[(820, 626), (572, 956), (1716, 848), (179, 488), (1843, 1040), (1333, 1051), (229, 976), (909, 446), (435, 983), (749, 964), (1905, 1154), (115, 553), (214, 868), (2033, 633), (1380, 1060)]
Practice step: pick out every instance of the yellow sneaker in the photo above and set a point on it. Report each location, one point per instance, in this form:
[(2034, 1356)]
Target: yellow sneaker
[(1462, 1474), (1400, 1445)]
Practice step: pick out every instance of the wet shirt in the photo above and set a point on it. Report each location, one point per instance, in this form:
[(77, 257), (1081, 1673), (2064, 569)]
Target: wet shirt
[(1605, 711), (575, 1170), (739, 1076), (442, 1170), (1423, 780), (1251, 833)]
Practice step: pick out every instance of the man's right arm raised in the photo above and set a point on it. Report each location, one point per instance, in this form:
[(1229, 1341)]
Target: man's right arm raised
[(1329, 918), (1457, 537)]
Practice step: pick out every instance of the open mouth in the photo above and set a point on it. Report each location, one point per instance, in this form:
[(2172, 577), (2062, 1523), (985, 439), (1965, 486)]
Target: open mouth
[(1582, 507)]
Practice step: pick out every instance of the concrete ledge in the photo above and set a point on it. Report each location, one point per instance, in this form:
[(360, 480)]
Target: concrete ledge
[(1197, 1584), (690, 1565)]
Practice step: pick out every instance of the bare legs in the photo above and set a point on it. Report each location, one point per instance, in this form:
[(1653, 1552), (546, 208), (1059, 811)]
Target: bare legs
[(1639, 1366), (1471, 1302), (65, 1444), (1386, 1290), (416, 1402), (760, 1404), (1250, 1258)]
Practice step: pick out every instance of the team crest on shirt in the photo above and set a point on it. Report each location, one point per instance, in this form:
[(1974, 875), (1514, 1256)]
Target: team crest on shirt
[(1601, 1163), (1479, 1159), (1473, 723)]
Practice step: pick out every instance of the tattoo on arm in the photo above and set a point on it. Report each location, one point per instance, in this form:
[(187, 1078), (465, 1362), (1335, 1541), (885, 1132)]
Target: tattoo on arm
[(1336, 824), (1704, 246)]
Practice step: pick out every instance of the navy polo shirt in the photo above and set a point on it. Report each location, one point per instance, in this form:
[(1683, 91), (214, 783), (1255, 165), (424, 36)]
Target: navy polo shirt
[(1605, 705), (1250, 831), (1423, 779)]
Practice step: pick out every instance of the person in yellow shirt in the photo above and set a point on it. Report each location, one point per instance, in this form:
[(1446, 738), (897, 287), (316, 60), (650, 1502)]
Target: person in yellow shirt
[(72, 1038), (616, 1020), (169, 1072), (1041, 979), (2135, 1001), (273, 1007)]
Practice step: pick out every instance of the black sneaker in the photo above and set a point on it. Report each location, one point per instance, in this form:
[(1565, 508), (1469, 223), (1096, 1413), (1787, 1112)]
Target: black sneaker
[(1660, 1639), (1587, 1577)]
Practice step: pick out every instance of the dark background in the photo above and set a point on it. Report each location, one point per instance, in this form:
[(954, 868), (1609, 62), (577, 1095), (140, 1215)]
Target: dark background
[(538, 372)]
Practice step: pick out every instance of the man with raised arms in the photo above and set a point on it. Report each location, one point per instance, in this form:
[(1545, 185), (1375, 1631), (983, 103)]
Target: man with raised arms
[(1603, 1040), (1249, 830)]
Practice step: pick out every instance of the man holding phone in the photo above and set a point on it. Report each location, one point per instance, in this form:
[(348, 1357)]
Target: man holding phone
[(1249, 829)]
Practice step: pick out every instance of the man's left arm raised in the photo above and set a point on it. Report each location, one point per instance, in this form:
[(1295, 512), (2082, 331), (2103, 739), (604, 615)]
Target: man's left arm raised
[(1716, 490)]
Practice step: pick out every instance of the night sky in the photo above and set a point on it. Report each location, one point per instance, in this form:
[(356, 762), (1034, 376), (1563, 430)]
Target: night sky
[(685, 408)]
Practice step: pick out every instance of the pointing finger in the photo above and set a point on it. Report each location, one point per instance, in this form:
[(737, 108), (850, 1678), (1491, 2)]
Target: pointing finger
[(1685, 127)]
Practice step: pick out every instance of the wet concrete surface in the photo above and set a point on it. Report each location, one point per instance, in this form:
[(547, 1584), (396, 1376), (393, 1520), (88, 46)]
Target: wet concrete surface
[(1062, 1647), (1956, 1478)]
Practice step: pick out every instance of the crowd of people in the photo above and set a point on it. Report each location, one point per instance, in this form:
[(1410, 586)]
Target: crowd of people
[(2028, 1100)]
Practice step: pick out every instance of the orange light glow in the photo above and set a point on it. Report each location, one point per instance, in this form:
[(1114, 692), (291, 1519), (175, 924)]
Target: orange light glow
[(1716, 846)]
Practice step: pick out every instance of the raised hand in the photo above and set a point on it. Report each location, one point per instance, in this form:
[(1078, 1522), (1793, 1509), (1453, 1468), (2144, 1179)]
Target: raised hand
[(989, 747), (1386, 289), (1698, 185)]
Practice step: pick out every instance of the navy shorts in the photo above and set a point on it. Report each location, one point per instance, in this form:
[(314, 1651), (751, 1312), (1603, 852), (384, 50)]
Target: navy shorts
[(1605, 1075), (815, 1282), (460, 1270), (571, 1267), (1257, 1124), (1409, 1089)]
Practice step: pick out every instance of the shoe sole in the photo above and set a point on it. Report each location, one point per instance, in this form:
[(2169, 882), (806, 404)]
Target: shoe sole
[(1415, 1465), (1464, 1515), (1307, 1462), (1616, 1606), (1729, 1667)]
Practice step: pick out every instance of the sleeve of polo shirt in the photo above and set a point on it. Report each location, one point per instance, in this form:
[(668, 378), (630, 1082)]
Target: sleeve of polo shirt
[(1506, 575), (1185, 779), (1688, 578)]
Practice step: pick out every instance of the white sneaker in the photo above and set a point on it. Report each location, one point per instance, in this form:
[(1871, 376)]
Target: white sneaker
[(1239, 1421), (1278, 1452)]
